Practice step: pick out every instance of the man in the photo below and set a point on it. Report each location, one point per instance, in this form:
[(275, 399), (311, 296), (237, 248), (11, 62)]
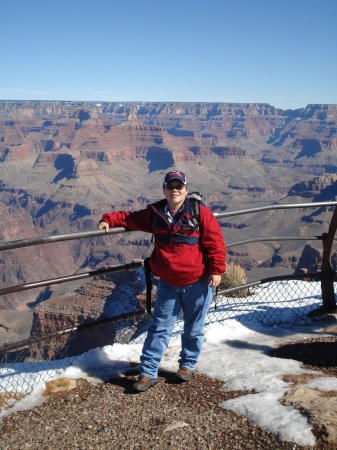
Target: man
[(189, 261)]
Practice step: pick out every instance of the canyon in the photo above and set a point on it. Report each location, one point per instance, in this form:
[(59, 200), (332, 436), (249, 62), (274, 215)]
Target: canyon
[(63, 164)]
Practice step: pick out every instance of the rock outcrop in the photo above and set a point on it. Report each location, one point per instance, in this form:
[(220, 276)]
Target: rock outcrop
[(101, 298)]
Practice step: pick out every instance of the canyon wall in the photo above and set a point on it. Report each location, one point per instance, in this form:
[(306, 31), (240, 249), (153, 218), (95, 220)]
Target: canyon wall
[(63, 164)]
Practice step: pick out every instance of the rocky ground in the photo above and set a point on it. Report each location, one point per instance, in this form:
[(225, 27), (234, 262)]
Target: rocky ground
[(111, 416), (170, 415)]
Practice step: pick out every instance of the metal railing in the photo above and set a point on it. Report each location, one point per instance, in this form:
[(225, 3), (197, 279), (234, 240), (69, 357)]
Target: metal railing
[(248, 303), (89, 234)]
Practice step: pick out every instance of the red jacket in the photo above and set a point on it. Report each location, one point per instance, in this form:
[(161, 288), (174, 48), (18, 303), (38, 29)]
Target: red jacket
[(181, 254)]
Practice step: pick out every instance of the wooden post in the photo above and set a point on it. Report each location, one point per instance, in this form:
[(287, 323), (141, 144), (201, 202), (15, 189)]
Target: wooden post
[(327, 287)]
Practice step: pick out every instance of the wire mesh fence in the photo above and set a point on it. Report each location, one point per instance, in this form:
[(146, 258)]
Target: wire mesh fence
[(27, 364), (116, 316)]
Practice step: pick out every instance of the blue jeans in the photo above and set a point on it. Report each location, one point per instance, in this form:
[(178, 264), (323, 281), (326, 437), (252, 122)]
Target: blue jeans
[(194, 300)]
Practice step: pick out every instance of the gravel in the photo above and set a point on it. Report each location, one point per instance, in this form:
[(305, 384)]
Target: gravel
[(170, 415), (112, 416)]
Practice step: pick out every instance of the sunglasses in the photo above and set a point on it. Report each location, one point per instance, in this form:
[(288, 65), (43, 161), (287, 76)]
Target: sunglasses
[(172, 187)]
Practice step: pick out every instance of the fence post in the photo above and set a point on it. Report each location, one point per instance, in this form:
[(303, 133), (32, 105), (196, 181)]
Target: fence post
[(328, 275)]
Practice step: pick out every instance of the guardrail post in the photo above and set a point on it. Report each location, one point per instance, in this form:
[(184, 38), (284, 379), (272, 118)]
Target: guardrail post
[(328, 275)]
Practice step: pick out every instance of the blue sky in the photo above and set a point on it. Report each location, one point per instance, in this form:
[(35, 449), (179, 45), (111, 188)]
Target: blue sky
[(281, 52)]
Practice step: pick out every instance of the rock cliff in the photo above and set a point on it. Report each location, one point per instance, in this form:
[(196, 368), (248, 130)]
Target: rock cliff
[(63, 164)]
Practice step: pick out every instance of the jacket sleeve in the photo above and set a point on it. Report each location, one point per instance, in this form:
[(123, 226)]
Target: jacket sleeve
[(138, 220), (212, 241)]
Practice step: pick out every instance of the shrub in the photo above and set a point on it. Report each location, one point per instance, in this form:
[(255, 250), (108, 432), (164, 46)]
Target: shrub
[(234, 276)]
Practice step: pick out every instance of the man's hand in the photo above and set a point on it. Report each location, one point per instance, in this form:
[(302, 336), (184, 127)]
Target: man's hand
[(103, 226), (214, 280)]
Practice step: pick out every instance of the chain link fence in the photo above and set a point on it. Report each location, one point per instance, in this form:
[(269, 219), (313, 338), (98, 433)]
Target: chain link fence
[(26, 364)]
